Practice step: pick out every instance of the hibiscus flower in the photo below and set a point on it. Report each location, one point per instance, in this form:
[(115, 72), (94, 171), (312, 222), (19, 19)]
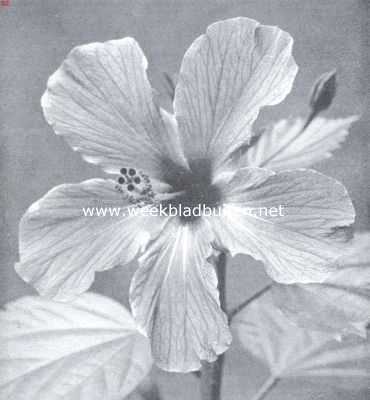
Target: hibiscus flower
[(101, 101)]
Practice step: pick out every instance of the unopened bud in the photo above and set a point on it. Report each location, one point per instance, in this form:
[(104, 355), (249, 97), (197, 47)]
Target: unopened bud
[(323, 92)]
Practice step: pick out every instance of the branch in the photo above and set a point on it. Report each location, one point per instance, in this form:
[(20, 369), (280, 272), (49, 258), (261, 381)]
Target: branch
[(238, 308), (266, 388)]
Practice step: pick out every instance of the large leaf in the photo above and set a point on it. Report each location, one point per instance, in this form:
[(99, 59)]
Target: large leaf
[(290, 351), (288, 144), (323, 307), (85, 350), (341, 304)]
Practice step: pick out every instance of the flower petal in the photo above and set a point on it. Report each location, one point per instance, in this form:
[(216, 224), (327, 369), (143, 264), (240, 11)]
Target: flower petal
[(226, 76), (61, 248), (301, 243), (174, 298), (100, 99), (286, 145), (89, 349)]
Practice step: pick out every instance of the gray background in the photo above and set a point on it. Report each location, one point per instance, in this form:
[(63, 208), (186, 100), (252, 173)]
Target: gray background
[(36, 35)]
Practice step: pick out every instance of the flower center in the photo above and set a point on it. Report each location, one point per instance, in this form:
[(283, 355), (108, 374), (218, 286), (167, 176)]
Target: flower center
[(192, 192), (195, 188)]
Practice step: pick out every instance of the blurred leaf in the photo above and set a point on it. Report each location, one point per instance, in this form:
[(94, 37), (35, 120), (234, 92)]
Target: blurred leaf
[(84, 350), (357, 254), (290, 351), (288, 144), (146, 390), (341, 305), (324, 307)]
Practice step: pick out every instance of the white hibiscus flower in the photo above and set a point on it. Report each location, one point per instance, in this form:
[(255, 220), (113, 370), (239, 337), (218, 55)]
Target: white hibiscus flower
[(101, 101)]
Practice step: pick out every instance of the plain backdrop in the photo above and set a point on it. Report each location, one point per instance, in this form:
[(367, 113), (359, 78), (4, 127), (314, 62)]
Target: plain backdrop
[(36, 35)]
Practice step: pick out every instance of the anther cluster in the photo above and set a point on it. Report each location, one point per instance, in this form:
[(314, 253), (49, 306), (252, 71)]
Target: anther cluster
[(136, 187)]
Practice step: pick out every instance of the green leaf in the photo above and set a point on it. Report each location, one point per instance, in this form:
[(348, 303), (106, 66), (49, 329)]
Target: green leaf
[(290, 351), (89, 349), (341, 304)]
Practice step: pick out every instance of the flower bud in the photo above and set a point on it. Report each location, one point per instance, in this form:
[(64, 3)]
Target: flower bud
[(323, 92)]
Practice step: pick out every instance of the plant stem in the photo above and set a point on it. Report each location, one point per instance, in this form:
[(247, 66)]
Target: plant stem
[(238, 308), (211, 376), (266, 388)]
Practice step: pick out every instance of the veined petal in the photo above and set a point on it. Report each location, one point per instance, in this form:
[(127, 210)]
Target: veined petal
[(101, 101), (61, 246), (226, 76), (174, 298), (299, 241), (288, 145)]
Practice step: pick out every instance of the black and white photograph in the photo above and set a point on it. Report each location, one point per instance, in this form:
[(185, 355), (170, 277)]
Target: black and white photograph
[(185, 200)]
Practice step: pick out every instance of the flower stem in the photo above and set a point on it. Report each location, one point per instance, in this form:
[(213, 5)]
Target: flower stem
[(238, 308), (266, 388), (211, 376)]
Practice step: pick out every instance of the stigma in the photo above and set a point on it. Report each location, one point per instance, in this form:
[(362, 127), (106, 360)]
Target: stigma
[(135, 186)]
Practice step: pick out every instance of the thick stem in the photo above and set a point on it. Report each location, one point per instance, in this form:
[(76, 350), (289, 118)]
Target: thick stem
[(266, 388), (211, 376)]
